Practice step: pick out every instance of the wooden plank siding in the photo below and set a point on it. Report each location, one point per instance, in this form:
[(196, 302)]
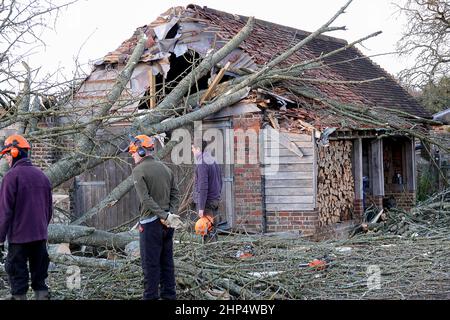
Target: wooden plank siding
[(291, 188), (93, 185)]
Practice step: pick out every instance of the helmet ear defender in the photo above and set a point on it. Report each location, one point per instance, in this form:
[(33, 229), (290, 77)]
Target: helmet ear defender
[(141, 152), (14, 150), (138, 143), (13, 145)]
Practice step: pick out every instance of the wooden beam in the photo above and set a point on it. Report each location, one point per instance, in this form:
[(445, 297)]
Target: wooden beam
[(410, 164), (306, 125), (358, 165), (377, 167), (214, 83), (285, 141), (271, 207), (315, 164), (273, 121)]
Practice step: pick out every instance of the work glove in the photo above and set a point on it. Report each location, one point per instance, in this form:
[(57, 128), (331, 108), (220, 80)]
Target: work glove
[(173, 221), (2, 253)]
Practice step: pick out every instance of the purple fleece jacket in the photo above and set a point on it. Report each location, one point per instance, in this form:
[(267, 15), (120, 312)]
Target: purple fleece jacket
[(25, 204), (208, 180)]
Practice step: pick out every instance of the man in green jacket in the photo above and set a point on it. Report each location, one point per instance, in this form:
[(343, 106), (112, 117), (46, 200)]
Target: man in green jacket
[(158, 193)]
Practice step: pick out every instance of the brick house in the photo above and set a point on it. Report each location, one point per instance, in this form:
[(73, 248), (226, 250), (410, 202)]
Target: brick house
[(329, 166), (441, 133)]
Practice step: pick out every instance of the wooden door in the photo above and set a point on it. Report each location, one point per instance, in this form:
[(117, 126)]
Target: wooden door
[(226, 207), (94, 185)]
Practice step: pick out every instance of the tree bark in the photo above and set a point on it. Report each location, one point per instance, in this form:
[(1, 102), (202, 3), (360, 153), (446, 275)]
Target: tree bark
[(71, 166), (24, 104), (58, 233), (97, 263)]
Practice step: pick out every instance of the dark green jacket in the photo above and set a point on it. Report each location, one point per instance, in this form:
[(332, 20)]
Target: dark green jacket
[(156, 187)]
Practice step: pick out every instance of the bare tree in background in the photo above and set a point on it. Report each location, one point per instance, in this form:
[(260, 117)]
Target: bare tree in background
[(427, 39), (22, 23)]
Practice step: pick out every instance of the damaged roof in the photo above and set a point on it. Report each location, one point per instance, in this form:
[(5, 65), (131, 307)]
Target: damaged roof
[(200, 28)]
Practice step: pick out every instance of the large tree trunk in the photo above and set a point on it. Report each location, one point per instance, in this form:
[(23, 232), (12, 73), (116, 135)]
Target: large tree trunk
[(71, 166), (96, 263), (58, 233)]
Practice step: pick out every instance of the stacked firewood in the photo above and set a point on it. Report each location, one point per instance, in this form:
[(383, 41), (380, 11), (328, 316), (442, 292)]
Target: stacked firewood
[(335, 187)]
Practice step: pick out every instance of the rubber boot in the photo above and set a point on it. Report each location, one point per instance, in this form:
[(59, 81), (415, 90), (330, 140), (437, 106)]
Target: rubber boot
[(42, 295)]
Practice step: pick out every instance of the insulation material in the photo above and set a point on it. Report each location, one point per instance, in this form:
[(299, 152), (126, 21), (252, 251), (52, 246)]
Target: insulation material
[(161, 67), (180, 49), (149, 57), (167, 45), (162, 30)]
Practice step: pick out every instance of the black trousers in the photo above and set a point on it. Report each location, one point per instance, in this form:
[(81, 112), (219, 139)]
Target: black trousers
[(156, 248), (36, 255)]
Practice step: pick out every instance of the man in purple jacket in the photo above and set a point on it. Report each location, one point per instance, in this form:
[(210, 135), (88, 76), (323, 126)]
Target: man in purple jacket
[(25, 212), (207, 187)]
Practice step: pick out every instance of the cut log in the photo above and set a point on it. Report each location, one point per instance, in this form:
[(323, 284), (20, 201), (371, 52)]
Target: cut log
[(62, 248), (132, 250), (101, 264), (58, 233)]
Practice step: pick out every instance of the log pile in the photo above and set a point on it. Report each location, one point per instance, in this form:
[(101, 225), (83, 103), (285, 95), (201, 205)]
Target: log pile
[(335, 187)]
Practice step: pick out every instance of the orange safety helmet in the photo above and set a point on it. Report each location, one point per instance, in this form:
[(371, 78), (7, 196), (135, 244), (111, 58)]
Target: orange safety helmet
[(140, 142), (13, 143), (204, 225)]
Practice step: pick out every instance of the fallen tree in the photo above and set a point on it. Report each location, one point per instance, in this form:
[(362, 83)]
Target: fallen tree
[(94, 263), (373, 265), (429, 218), (408, 269), (58, 233)]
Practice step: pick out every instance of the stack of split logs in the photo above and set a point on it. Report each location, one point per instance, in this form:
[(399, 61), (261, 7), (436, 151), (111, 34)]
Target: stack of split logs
[(335, 187)]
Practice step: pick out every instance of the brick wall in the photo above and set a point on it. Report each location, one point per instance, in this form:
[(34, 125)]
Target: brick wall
[(305, 222), (374, 200), (358, 209), (45, 151), (247, 182), (404, 200)]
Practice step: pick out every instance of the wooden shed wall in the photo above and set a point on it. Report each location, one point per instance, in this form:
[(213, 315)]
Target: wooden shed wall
[(292, 187), (93, 185)]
